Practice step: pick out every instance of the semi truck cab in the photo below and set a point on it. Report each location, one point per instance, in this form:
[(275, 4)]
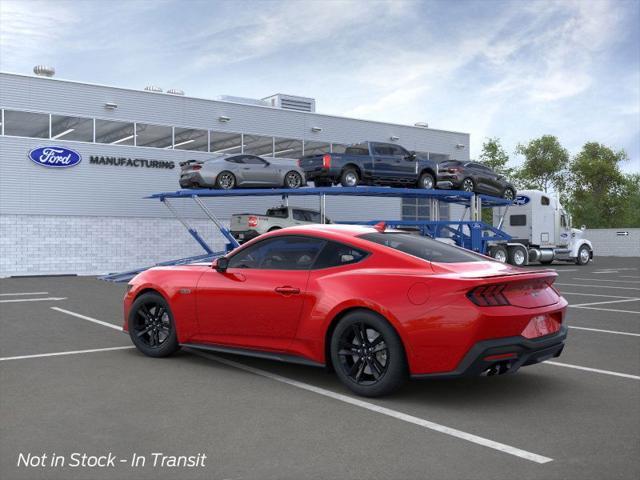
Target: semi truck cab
[(540, 230)]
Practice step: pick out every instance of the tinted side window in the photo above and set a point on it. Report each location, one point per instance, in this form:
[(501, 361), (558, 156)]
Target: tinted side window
[(544, 201), (335, 254), (281, 253), (252, 160), (423, 247), (398, 151), (518, 220), (238, 159), (300, 216)]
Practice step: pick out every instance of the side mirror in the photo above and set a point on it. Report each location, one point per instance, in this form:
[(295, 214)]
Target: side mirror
[(222, 264), (411, 156)]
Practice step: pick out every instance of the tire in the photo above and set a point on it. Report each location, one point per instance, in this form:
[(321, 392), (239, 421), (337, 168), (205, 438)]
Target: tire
[(426, 182), (584, 255), (518, 256), (349, 178), (385, 368), (468, 185), (225, 180), (293, 180), (509, 194), (152, 327), (499, 253)]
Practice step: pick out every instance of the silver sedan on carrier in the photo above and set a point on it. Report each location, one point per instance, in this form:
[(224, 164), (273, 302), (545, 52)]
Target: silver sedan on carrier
[(233, 171)]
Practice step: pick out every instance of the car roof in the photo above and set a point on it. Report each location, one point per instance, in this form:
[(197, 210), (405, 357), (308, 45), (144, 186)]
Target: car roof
[(332, 230)]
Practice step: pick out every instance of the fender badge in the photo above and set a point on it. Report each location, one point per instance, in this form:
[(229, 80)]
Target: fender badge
[(185, 290)]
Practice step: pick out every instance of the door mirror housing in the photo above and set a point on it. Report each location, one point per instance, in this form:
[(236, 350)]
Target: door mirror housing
[(411, 155), (221, 264)]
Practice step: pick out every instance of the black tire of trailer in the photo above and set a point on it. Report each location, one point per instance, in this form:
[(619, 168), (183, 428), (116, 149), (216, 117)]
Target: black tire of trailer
[(515, 259)]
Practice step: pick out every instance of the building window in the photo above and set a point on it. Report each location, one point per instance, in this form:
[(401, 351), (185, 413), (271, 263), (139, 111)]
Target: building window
[(191, 139), (316, 148), (226, 143), (71, 128), (258, 145), (419, 209), (287, 148), (26, 124), (115, 133), (156, 136)]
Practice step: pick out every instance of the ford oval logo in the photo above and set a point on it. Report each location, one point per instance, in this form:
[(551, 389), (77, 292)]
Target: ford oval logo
[(55, 157), (521, 200)]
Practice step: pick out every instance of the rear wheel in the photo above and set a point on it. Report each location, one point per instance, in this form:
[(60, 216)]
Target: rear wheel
[(349, 178), (499, 253), (152, 327), (518, 256), (468, 185), (225, 180), (368, 355), (584, 255), (293, 179), (426, 181), (508, 194)]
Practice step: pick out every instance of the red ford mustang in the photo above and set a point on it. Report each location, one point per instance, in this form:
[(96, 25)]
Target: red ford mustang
[(375, 305)]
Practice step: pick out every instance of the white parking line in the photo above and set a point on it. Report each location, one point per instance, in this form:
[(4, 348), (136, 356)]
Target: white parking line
[(49, 299), (382, 410), (611, 281), (606, 301), (22, 293), (595, 370), (608, 309), (606, 331), (594, 295), (89, 319), (73, 352), (597, 286)]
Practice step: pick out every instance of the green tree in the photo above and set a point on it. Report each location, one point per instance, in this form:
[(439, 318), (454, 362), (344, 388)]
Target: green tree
[(544, 165), (600, 195), (495, 157)]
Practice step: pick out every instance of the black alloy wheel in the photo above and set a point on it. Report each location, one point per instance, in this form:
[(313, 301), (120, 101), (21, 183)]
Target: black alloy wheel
[(293, 179), (508, 194), (226, 180), (368, 355), (468, 185), (151, 326)]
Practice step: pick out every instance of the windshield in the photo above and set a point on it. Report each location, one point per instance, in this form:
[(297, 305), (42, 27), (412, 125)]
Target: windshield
[(423, 247)]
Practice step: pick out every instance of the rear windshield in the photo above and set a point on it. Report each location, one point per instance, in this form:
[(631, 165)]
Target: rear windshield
[(277, 212), (423, 247)]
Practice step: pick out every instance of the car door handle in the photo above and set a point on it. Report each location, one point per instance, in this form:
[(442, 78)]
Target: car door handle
[(246, 168), (287, 290)]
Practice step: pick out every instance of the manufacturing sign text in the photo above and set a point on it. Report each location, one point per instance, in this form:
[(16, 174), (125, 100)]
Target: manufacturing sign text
[(130, 162), (55, 157)]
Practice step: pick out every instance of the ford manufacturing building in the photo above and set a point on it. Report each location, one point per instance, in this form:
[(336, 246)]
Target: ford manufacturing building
[(92, 218)]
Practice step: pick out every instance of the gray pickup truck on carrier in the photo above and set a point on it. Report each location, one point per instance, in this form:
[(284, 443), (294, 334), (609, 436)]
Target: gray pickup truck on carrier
[(371, 163)]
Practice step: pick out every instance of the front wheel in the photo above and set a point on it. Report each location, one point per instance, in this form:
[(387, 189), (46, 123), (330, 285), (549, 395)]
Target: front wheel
[(584, 255), (152, 327), (426, 181), (368, 355)]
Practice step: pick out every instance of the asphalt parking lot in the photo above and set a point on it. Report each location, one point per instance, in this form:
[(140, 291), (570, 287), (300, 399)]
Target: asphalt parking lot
[(575, 417)]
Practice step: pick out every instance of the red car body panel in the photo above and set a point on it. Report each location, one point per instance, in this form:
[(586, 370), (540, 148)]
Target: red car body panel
[(427, 303)]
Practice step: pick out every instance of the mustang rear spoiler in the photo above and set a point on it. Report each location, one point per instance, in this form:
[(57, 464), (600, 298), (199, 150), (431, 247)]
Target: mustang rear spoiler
[(189, 162)]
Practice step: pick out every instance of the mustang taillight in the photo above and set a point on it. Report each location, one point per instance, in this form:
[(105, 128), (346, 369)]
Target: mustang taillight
[(326, 161), (488, 296), (253, 221)]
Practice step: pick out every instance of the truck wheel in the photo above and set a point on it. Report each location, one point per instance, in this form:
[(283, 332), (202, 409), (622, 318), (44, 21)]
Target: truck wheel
[(499, 253), (468, 185), (426, 181), (584, 255), (518, 256), (349, 178)]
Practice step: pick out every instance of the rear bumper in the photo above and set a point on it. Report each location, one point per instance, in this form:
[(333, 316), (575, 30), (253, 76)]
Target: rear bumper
[(192, 180), (506, 355), (321, 173)]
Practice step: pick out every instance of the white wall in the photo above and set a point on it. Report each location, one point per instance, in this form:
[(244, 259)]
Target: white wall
[(607, 242)]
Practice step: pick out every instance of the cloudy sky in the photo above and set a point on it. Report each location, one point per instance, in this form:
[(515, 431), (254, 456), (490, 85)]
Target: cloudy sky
[(511, 69)]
